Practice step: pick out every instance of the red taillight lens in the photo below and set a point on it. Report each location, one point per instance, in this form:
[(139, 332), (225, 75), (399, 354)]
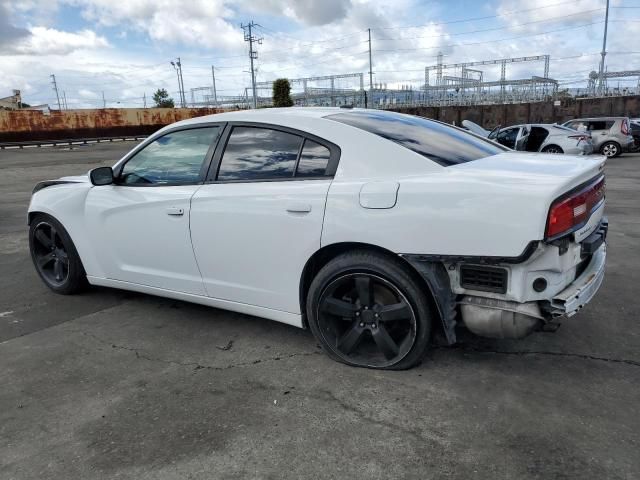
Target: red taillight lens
[(566, 213), (624, 128)]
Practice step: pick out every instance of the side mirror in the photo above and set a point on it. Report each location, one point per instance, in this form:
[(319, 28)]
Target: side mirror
[(101, 176)]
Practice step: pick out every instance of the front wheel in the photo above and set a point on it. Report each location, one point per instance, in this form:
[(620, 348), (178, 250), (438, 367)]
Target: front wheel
[(610, 149), (54, 255), (366, 310)]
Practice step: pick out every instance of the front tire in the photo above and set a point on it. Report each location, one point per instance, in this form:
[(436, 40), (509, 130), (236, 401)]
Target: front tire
[(366, 310), (54, 255)]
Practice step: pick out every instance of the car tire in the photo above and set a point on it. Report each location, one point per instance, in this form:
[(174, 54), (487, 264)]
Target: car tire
[(610, 149), (552, 149), (55, 256), (367, 310)]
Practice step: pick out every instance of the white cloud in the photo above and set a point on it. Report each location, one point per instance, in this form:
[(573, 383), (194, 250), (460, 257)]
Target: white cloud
[(309, 12), (49, 41), (194, 22)]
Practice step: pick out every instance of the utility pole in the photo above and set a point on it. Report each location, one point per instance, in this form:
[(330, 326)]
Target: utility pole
[(144, 100), (184, 98), (370, 66), (104, 102), (604, 51), (253, 55), (215, 96), (178, 68), (64, 100), (55, 87)]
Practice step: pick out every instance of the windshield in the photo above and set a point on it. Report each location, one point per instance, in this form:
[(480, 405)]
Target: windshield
[(436, 141)]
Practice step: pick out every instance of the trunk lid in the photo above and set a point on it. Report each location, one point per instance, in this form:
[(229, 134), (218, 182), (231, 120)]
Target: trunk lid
[(556, 174)]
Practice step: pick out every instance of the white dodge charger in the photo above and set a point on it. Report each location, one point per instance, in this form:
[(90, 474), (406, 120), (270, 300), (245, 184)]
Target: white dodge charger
[(374, 229)]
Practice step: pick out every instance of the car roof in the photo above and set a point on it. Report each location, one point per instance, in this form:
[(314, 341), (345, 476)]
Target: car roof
[(267, 114), (597, 118)]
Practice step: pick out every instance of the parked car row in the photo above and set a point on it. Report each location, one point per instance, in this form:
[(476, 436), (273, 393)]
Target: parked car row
[(609, 136)]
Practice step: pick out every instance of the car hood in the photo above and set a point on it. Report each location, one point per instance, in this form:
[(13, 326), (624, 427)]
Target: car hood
[(75, 178)]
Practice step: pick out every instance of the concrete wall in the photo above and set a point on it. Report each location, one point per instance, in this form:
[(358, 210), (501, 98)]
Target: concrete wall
[(28, 125), (490, 116)]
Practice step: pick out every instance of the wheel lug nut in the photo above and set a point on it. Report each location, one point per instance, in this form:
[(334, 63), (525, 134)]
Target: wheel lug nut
[(357, 314), (376, 315), (361, 324), (373, 325), (366, 308)]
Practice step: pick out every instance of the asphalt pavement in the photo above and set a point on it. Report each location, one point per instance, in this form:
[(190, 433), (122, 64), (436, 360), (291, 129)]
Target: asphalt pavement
[(111, 384)]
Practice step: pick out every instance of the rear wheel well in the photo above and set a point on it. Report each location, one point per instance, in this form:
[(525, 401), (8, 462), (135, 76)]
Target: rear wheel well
[(323, 256)]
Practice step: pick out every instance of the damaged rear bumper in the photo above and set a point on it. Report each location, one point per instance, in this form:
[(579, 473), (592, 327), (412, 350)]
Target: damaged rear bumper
[(582, 290), (490, 317)]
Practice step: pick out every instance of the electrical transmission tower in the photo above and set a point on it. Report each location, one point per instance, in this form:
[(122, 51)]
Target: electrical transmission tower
[(55, 87), (253, 55)]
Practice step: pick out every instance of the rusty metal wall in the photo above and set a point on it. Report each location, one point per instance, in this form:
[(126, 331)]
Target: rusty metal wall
[(490, 116), (29, 125)]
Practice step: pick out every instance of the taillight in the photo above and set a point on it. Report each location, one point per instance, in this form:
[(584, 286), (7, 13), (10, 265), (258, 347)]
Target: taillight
[(624, 128), (571, 211)]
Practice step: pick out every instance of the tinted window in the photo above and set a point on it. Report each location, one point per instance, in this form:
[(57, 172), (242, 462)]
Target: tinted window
[(601, 125), (313, 160), (259, 154), (173, 158), (508, 137), (436, 141)]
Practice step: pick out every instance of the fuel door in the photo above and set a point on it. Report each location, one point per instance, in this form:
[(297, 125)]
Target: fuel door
[(379, 194)]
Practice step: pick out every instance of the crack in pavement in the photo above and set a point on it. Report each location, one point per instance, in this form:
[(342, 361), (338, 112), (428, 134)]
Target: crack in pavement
[(195, 365), (468, 348)]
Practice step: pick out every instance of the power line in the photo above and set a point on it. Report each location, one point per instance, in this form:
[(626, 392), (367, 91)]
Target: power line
[(472, 19), (493, 29), (489, 41)]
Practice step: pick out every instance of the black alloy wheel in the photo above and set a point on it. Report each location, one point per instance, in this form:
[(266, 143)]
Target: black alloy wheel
[(367, 320), (54, 255), (50, 256)]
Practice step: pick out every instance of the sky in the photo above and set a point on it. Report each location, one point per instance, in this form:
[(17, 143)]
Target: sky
[(124, 48)]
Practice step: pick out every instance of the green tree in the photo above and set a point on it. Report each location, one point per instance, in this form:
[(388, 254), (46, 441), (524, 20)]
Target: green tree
[(282, 93), (162, 99)]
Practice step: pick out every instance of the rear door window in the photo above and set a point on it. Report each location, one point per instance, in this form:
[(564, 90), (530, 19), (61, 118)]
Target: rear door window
[(314, 160), (254, 153), (436, 141)]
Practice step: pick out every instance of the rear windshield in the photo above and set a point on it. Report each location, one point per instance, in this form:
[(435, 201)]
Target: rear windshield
[(436, 141)]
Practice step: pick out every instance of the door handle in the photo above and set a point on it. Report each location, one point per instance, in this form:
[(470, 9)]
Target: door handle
[(175, 211), (299, 208)]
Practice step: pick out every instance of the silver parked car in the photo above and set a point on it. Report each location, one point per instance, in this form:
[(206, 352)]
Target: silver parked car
[(611, 136), (539, 137)]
